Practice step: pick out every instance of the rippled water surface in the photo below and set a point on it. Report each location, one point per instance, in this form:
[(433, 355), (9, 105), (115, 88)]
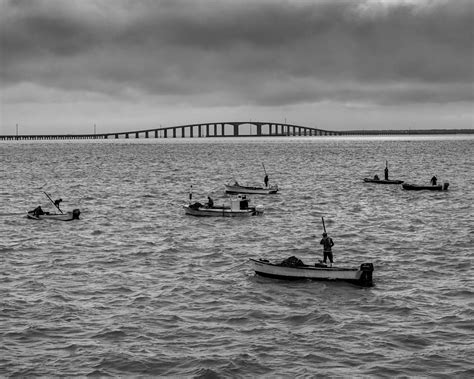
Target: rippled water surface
[(137, 288)]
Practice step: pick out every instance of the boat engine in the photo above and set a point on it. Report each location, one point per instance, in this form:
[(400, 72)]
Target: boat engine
[(259, 209), (75, 214), (366, 276), (445, 186)]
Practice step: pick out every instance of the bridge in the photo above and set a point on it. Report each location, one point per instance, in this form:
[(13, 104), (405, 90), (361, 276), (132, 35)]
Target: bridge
[(229, 129)]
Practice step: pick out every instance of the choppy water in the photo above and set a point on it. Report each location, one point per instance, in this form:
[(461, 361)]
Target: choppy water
[(136, 288)]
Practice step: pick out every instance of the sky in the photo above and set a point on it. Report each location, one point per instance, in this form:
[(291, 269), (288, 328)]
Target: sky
[(118, 65)]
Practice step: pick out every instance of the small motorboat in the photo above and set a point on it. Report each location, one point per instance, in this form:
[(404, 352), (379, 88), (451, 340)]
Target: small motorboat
[(293, 268), (68, 216), (234, 187), (239, 207), (382, 181), (416, 187), (39, 214), (386, 180)]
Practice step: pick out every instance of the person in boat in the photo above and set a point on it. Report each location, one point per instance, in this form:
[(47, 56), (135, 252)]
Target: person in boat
[(376, 177), (210, 202), (327, 243), (56, 203), (434, 180), (38, 211), (386, 173), (265, 180)]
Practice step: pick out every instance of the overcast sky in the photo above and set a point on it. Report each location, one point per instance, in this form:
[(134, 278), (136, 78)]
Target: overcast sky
[(333, 64)]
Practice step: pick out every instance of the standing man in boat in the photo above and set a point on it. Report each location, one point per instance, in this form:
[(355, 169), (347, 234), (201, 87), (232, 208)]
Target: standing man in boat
[(57, 202), (386, 170), (210, 202), (327, 243), (265, 180), (434, 180)]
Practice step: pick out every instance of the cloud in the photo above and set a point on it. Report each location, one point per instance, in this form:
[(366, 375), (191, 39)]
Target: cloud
[(222, 53)]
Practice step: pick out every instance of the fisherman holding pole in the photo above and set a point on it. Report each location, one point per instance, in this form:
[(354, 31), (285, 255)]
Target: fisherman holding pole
[(265, 179), (327, 243)]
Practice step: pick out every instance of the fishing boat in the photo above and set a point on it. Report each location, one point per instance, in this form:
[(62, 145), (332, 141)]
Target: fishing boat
[(386, 180), (39, 214), (416, 187), (68, 216), (382, 181), (293, 269), (235, 187), (239, 207)]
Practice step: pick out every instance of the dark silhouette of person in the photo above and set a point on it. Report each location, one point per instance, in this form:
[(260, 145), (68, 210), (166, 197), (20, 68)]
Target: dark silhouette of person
[(210, 202), (38, 211), (327, 243), (386, 173), (56, 203), (265, 180), (434, 180)]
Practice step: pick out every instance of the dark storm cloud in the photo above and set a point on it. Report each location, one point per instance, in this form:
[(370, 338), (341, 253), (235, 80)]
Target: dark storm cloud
[(243, 52)]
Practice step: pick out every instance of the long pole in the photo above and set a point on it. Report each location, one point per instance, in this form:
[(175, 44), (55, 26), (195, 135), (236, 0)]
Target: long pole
[(49, 197), (324, 226)]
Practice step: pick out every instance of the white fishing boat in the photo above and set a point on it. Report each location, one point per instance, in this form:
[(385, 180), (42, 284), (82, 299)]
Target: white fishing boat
[(235, 187), (239, 207), (293, 268), (67, 216), (382, 181), (39, 214), (418, 187)]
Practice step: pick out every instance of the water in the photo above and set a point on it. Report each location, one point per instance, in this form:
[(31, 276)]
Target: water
[(137, 288)]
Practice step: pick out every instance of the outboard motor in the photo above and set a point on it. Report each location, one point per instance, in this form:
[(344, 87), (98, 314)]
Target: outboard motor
[(75, 214), (259, 209), (366, 276), (445, 186)]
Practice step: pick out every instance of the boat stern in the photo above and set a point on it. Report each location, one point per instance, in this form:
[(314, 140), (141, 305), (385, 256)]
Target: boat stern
[(75, 214), (367, 270), (259, 209)]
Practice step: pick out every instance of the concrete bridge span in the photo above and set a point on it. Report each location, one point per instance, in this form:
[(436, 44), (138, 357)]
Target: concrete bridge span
[(227, 129)]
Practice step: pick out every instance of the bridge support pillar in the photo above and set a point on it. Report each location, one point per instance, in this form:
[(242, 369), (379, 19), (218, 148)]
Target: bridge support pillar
[(236, 130), (182, 132), (207, 130), (222, 130), (200, 131), (165, 133), (191, 131), (116, 136), (259, 129), (146, 135), (215, 130), (126, 135)]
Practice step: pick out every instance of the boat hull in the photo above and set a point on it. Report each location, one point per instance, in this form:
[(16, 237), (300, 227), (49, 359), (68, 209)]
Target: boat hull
[(416, 187), (68, 216), (251, 190), (382, 181), (361, 276), (221, 212)]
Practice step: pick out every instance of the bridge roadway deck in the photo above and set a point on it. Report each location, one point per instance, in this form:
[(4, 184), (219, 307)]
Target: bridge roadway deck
[(233, 129)]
